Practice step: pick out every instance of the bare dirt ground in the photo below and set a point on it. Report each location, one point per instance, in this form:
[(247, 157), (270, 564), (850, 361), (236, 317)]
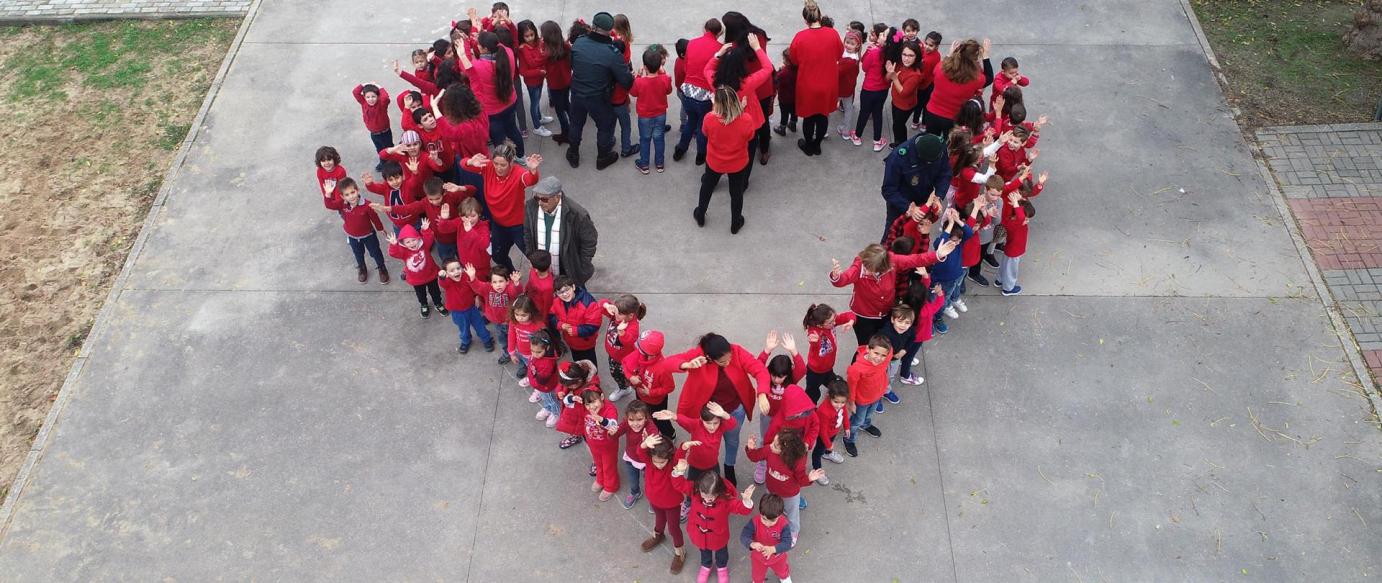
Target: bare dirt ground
[(92, 116)]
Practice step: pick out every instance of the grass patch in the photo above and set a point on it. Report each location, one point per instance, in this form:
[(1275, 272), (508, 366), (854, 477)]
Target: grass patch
[(1286, 63)]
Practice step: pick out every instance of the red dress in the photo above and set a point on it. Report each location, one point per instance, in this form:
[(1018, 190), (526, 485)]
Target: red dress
[(816, 52)]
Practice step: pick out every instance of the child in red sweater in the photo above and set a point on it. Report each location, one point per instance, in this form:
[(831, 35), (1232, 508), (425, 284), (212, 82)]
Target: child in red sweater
[(651, 386), (417, 168), (785, 456), (440, 203), (471, 236), (624, 313), (542, 374), (374, 107), (906, 80), (391, 190), (360, 223), (786, 80), (572, 379), (495, 296), (820, 323), (1007, 77), (329, 171), (650, 89), (460, 301), (523, 323), (1015, 220), (709, 524), (419, 270), (785, 372), (601, 423), (768, 539), (849, 79), (833, 419), (663, 497), (703, 449), (635, 429), (868, 380), (532, 67)]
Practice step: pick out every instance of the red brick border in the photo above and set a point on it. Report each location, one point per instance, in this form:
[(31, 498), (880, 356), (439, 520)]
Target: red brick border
[(1343, 233)]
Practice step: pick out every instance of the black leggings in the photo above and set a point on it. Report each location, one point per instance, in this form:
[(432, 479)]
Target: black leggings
[(871, 108), (937, 125), (738, 183), (430, 287), (899, 125), (819, 451), (721, 557), (765, 131), (865, 328), (923, 97), (813, 128), (814, 382), (788, 114)]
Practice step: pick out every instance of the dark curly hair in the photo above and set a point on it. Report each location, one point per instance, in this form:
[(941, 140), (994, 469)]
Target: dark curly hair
[(458, 103)]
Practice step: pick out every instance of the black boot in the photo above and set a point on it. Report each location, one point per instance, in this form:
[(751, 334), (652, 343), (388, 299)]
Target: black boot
[(729, 475), (573, 157)]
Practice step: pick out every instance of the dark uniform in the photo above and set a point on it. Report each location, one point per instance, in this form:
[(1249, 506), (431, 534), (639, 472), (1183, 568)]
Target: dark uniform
[(907, 178), (597, 63)]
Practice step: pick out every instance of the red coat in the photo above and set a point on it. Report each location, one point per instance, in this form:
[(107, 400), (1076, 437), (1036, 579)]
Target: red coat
[(532, 63), (830, 420), (816, 53), (539, 288), (705, 456), (781, 480), (505, 193), (699, 52), (458, 293), (708, 526), (377, 115), (700, 382), (572, 410), (659, 485), (874, 294), (653, 387), (820, 356), (1015, 222), (418, 266), (359, 220), (849, 76), (542, 373), (867, 381), (496, 303)]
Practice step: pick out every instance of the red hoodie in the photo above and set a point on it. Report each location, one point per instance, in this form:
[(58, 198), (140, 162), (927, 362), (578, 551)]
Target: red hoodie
[(633, 440), (868, 381), (359, 220), (798, 412), (874, 294), (542, 372), (496, 303), (418, 266), (700, 382), (377, 115), (781, 480), (708, 525), (458, 294), (820, 356), (597, 434), (831, 421), (659, 484), (705, 456)]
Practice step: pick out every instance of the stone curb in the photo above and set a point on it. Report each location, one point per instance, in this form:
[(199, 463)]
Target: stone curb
[(1341, 329), (20, 20), (1327, 128), (99, 326)]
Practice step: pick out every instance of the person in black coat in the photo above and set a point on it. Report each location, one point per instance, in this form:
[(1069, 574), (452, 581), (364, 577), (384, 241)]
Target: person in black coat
[(911, 173), (556, 224), (597, 63)]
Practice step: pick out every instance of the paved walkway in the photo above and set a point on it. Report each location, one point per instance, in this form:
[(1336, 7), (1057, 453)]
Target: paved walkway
[(1332, 178), (1161, 404), (69, 10)]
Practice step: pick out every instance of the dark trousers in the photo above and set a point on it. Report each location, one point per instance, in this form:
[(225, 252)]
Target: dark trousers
[(381, 140), (504, 125), (937, 125), (900, 125), (814, 382), (720, 557), (664, 426), (369, 243), (913, 352), (587, 354), (504, 238), (788, 115), (865, 328), (923, 97), (425, 289), (871, 108), (813, 129), (561, 106), (738, 183), (602, 113), (890, 216), (695, 114), (765, 131), (818, 452)]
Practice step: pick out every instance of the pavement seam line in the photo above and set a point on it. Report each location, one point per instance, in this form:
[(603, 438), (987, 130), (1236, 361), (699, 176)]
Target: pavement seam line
[(1341, 330), (940, 475), (101, 322), (484, 471)]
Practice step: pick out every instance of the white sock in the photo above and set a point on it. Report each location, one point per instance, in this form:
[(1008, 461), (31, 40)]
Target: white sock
[(787, 580)]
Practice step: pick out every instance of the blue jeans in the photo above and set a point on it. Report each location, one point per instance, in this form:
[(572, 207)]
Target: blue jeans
[(862, 417), (695, 114), (522, 362), (519, 106), (467, 319), (502, 331), (650, 133), (504, 238), (633, 474), (504, 125), (550, 403), (681, 117), (369, 243), (535, 105), (952, 290), (621, 113), (732, 437), (444, 250)]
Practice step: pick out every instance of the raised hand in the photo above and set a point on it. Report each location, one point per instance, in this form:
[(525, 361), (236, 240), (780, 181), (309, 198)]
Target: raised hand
[(717, 410), (1042, 179), (651, 440), (752, 442), (697, 362), (470, 271), (445, 212), (789, 343), (753, 42), (747, 496), (534, 160), (835, 268), (816, 474), (944, 250), (685, 445), (771, 342), (391, 238), (664, 415)]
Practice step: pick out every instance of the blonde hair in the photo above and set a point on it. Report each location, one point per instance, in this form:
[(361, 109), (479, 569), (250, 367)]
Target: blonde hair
[(811, 12), (505, 150), (875, 258), (962, 65), (727, 106)]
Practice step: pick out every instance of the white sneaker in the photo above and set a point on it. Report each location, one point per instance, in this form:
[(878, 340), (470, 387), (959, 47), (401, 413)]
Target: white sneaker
[(854, 139), (535, 397), (916, 362), (619, 394), (824, 481), (542, 414), (546, 119), (913, 380), (523, 382), (879, 145), (951, 313), (834, 456), (544, 132), (551, 420), (960, 305)]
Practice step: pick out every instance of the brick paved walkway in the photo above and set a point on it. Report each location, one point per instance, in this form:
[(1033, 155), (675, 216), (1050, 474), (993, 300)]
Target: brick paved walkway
[(12, 11), (1332, 179)]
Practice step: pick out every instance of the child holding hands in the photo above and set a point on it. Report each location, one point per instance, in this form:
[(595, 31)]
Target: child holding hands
[(768, 539)]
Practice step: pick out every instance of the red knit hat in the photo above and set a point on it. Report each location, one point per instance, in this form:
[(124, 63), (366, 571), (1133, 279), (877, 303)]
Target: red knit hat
[(408, 232), (650, 343)]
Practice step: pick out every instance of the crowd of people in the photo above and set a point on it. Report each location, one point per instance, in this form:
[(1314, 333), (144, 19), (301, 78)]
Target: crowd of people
[(957, 187)]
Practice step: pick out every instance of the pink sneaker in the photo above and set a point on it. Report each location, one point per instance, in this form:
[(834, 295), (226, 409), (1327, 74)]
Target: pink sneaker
[(535, 397), (854, 139), (606, 495), (760, 472), (879, 145)]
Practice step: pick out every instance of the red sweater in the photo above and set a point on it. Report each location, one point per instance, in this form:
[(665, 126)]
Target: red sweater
[(559, 71), (927, 313), (831, 421), (619, 344), (504, 193), (651, 94), (532, 63), (905, 99), (929, 60), (874, 294), (966, 190), (816, 52), (653, 386), (726, 145), (426, 86), (769, 536), (633, 440), (482, 82), (521, 332), (458, 293), (418, 266), (949, 95), (875, 77), (700, 382), (659, 484), (596, 434), (393, 198), (867, 381), (496, 303), (820, 356), (679, 73), (971, 250), (446, 231), (849, 76), (471, 246), (1015, 222), (467, 138), (539, 288), (338, 174), (415, 173), (377, 115), (359, 220), (542, 373), (705, 456), (782, 480), (699, 52), (708, 525), (1009, 159), (1001, 82), (775, 392)]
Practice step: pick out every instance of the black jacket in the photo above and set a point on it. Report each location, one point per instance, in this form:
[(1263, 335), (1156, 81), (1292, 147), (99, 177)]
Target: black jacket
[(578, 237), (906, 178), (597, 63)]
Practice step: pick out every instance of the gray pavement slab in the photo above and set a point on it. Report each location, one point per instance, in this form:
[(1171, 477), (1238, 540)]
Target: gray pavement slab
[(249, 412)]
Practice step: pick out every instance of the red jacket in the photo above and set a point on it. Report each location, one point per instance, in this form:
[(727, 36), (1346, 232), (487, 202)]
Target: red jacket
[(519, 334), (775, 392), (539, 288), (504, 193), (359, 220), (927, 313), (705, 456), (874, 294), (659, 485), (496, 303), (830, 420), (1001, 82), (582, 314), (398, 215), (700, 382), (867, 381), (559, 71), (1015, 222), (532, 63), (651, 94), (633, 440), (949, 95), (781, 480), (414, 175), (820, 356), (1009, 159), (471, 246), (699, 52), (849, 76), (653, 387), (816, 52), (597, 434), (619, 344), (542, 373), (905, 99), (377, 115), (798, 412), (458, 293), (418, 266), (708, 526)]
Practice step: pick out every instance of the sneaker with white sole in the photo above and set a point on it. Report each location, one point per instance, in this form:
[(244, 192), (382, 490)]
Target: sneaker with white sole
[(854, 139), (552, 420), (834, 456), (617, 394), (535, 396), (879, 145), (951, 313), (546, 119), (824, 481), (912, 380), (960, 305), (543, 414), (523, 382), (916, 362), (544, 132)]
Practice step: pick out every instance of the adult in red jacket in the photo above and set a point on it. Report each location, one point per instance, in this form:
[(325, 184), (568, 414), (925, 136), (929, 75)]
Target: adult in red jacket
[(505, 183), (735, 66), (721, 372), (965, 72), (731, 123), (816, 52)]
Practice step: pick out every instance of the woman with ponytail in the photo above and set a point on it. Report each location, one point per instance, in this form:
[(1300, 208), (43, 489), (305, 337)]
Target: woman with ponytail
[(960, 76), (816, 51), (732, 122), (492, 80)]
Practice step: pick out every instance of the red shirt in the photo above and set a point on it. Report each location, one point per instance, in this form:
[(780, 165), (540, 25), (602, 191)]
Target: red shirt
[(467, 138), (679, 73), (633, 440), (651, 94), (705, 456), (1015, 222), (929, 60), (619, 344), (700, 382), (708, 525), (338, 174), (359, 220), (496, 303), (559, 71), (775, 392), (816, 53), (971, 250), (482, 73), (539, 288), (949, 95), (769, 536), (418, 266), (532, 63), (875, 293), (377, 115), (596, 435), (658, 484), (820, 356), (867, 381), (905, 99), (849, 76), (458, 294), (542, 373), (831, 421), (504, 193), (699, 52), (781, 480), (1009, 159), (521, 332), (653, 385)]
